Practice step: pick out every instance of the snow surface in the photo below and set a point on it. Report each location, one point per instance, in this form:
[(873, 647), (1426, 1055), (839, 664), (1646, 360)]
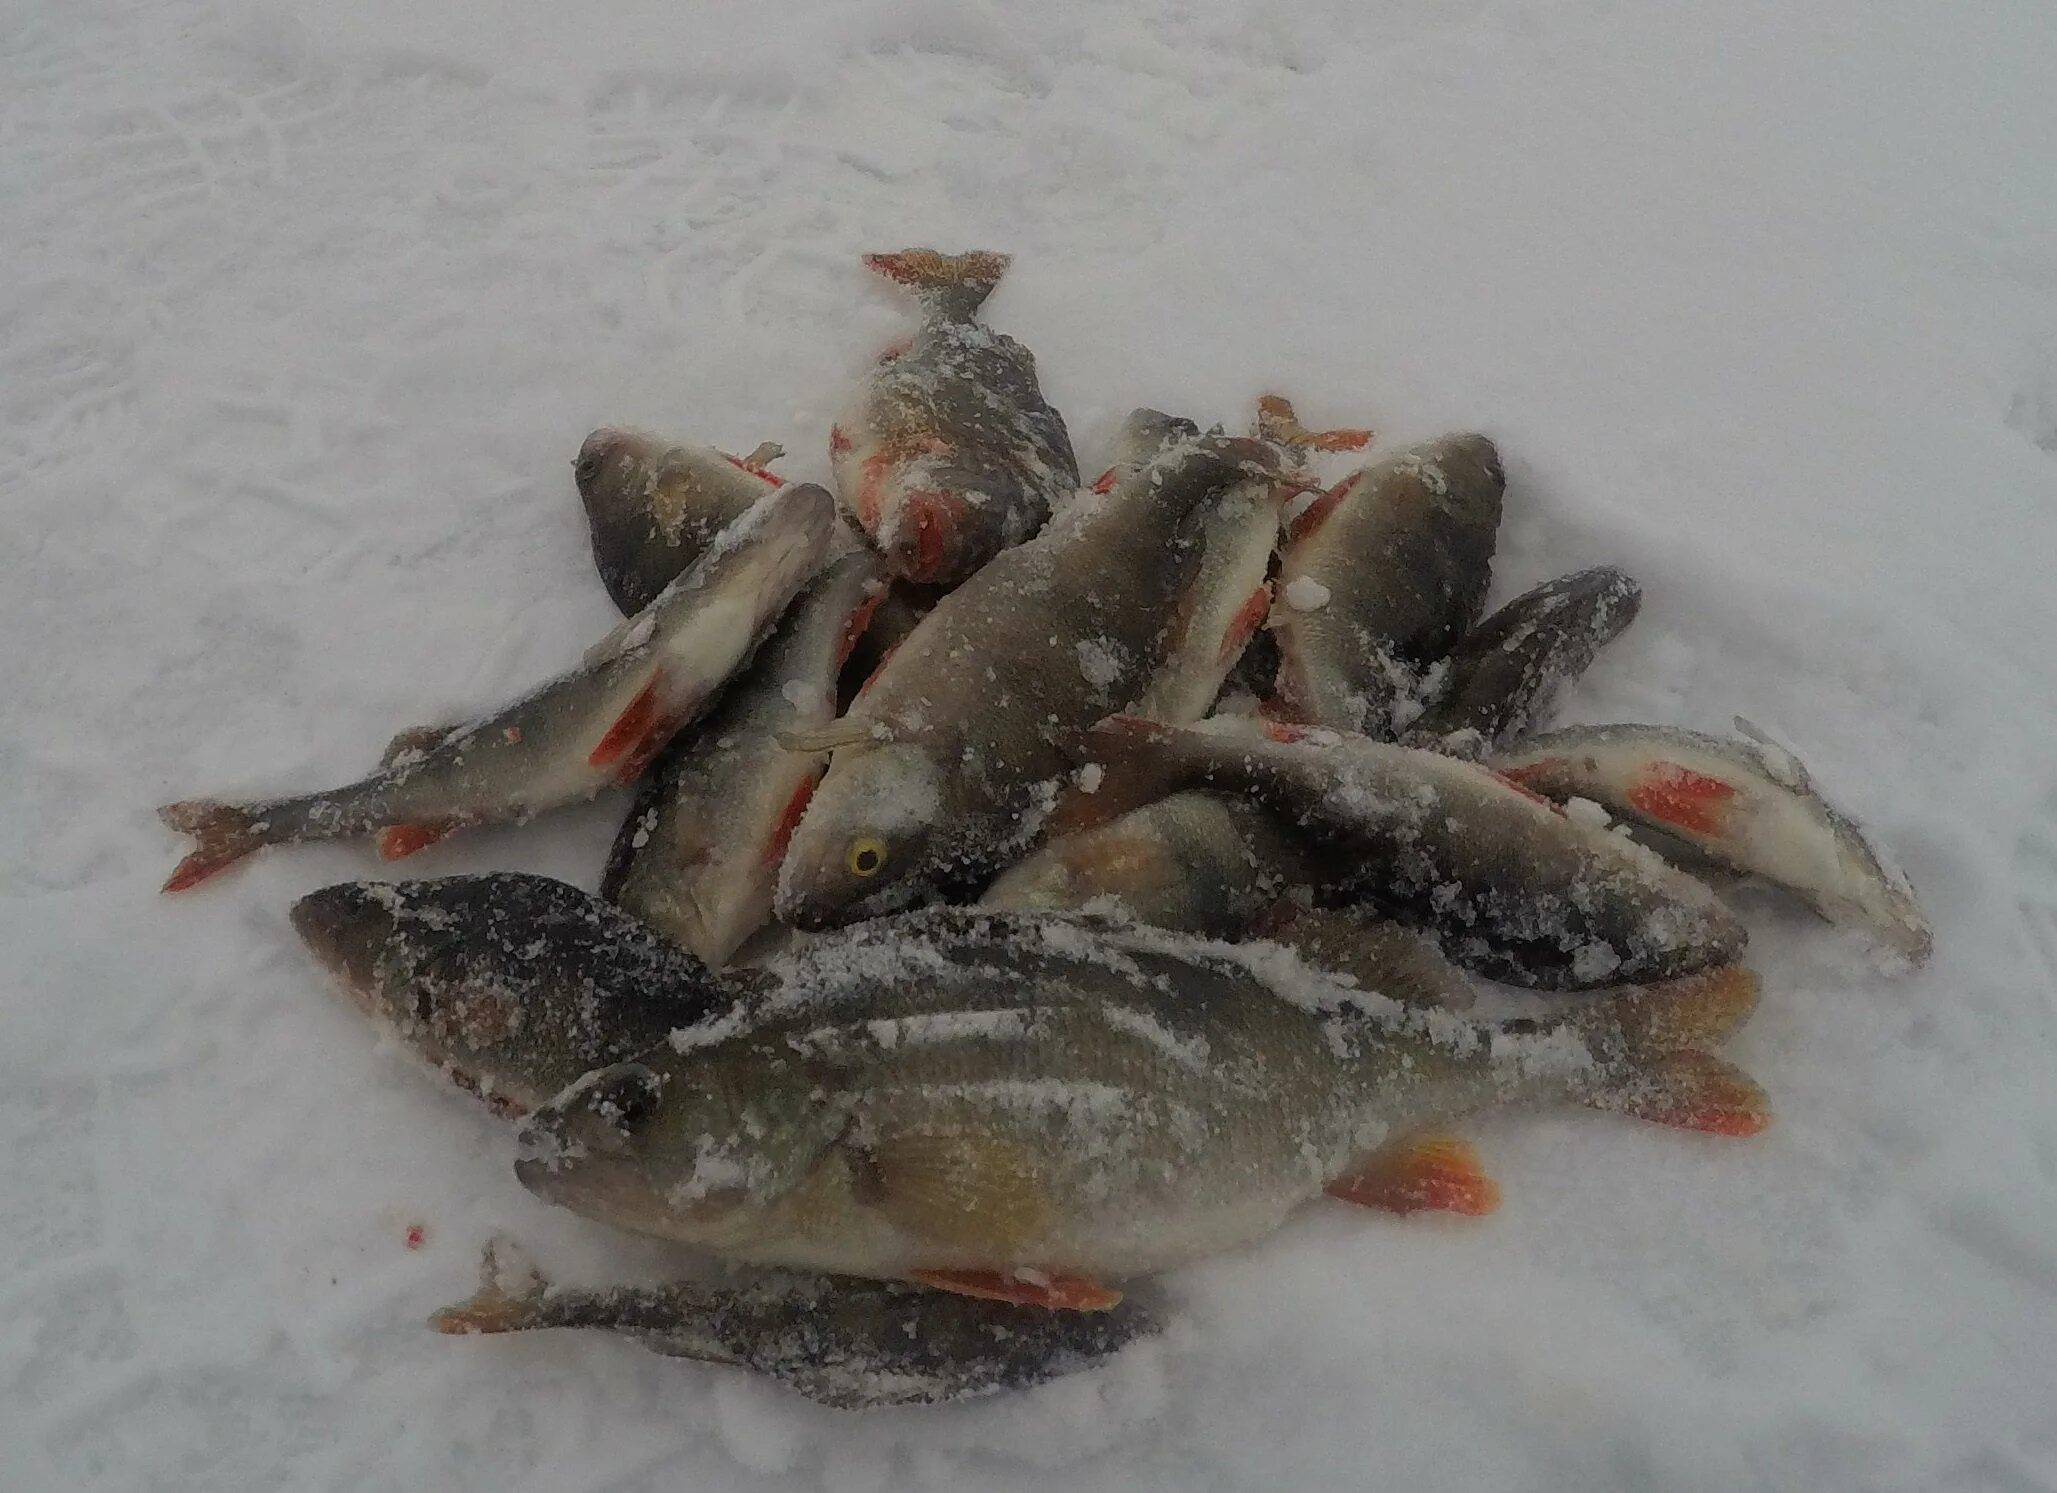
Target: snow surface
[(306, 309)]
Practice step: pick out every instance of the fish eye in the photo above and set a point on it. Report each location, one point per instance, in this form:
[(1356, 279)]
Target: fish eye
[(627, 1100), (585, 469), (867, 857)]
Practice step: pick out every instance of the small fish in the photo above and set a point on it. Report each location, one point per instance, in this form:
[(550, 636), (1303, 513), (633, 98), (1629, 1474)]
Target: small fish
[(1226, 600), (1025, 1109), (1378, 954), (653, 506), (852, 1344), (946, 764), (698, 856), (1509, 885), (509, 984), (1744, 802), (1509, 669), (1197, 862), (950, 453), (1379, 578), (563, 742)]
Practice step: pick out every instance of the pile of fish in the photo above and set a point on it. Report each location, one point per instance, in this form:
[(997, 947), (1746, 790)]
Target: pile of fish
[(1034, 885)]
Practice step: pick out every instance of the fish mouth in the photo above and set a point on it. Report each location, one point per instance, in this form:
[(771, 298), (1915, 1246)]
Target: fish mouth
[(346, 927)]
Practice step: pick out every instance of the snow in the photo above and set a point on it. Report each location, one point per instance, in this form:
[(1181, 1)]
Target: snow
[(1305, 594), (308, 308)]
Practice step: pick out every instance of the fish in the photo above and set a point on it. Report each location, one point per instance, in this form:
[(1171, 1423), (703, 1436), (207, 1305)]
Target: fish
[(561, 743), (945, 766), (847, 1343), (654, 506), (1379, 578), (1143, 437), (1375, 952), (1507, 883), (512, 986), (1033, 1108), (1745, 803), (1222, 606), (1198, 862), (509, 985), (950, 454), (1509, 670), (698, 856)]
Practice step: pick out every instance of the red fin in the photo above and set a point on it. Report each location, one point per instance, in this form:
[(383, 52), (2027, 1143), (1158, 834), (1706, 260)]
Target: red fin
[(758, 472), (1245, 622), (1439, 1172), (397, 840), (928, 521), (1693, 1011), (962, 280), (878, 669), (859, 619), (871, 489), (631, 730), (1104, 483), (225, 834), (838, 442), (1690, 1090), (1277, 421), (1678, 796), (789, 820), (1316, 513), (1023, 1287)]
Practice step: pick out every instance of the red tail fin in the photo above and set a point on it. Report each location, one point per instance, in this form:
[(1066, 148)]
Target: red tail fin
[(1653, 1041), (958, 283), (1691, 1090), (225, 834)]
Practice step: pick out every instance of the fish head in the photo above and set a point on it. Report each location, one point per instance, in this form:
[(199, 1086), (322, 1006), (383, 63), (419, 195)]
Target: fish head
[(1471, 463), (681, 1145), (614, 467), (934, 534), (865, 845), (420, 960)]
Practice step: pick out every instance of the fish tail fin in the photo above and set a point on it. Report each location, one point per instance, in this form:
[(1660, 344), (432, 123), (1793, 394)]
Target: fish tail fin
[(1127, 764), (1655, 1065), (509, 1297), (1276, 421), (954, 283), (224, 833)]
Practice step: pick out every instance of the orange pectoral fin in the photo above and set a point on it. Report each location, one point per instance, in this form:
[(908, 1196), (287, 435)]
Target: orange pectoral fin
[(1680, 797), (789, 820), (632, 729), (1689, 1090), (1104, 483), (397, 840), (1244, 623), (1439, 1172), (1316, 513), (1059, 1292)]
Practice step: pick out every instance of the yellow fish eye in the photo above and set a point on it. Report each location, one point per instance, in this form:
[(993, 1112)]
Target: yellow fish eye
[(867, 857)]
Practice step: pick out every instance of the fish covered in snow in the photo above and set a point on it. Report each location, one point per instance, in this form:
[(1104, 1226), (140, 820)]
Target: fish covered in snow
[(511, 985), (1744, 802), (1197, 862), (950, 453), (1509, 670), (1220, 608), (599, 725), (1028, 1109), (653, 507), (946, 763), (1379, 578), (853, 1344), (698, 856), (1509, 885)]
